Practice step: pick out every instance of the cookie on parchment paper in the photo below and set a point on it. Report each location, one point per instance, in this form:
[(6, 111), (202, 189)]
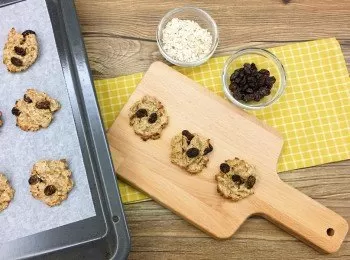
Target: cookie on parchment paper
[(51, 181), (190, 151), (35, 110), (236, 179), (20, 51), (148, 117), (6, 192)]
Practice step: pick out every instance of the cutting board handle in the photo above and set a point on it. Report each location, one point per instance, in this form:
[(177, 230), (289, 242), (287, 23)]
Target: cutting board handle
[(302, 216)]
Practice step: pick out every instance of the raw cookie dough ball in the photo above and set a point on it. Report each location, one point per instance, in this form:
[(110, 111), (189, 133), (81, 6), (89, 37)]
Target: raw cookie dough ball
[(190, 151), (148, 117), (236, 179)]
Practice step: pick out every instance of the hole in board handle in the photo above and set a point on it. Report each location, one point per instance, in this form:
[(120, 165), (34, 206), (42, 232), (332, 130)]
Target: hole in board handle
[(330, 232)]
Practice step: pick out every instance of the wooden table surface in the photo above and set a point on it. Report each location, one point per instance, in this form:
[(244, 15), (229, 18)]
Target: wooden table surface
[(120, 39)]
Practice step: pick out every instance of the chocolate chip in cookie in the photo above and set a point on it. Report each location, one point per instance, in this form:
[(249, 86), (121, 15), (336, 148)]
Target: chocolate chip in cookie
[(209, 149), (250, 182), (1, 123), (141, 113), (192, 152), (34, 179), (237, 179), (20, 51), (188, 135), (27, 99), (15, 111), (152, 118), (27, 32), (224, 167), (50, 190), (17, 62), (44, 104)]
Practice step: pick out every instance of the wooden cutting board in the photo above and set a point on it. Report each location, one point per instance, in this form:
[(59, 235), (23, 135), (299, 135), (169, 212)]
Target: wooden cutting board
[(233, 133)]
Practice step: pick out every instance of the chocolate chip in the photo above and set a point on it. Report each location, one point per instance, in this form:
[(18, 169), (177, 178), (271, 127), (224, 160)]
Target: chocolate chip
[(152, 118), (15, 111), (27, 32), (250, 182), (17, 62), (34, 179), (43, 104), (141, 113), (20, 51), (27, 99), (192, 152), (188, 135), (208, 149), (237, 179), (225, 168), (49, 190)]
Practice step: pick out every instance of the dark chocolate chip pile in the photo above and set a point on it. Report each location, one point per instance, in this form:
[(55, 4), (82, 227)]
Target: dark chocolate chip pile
[(248, 84)]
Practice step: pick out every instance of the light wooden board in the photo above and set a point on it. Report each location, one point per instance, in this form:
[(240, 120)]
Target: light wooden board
[(233, 133)]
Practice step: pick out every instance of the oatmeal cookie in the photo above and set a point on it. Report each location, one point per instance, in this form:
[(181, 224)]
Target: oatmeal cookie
[(148, 117), (51, 181), (6, 192), (35, 110), (190, 151), (236, 179), (21, 50)]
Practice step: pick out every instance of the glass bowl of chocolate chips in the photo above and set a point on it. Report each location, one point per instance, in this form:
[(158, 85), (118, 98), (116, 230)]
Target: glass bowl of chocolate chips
[(253, 78)]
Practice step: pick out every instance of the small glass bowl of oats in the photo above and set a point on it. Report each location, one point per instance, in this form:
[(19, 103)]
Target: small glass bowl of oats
[(187, 36)]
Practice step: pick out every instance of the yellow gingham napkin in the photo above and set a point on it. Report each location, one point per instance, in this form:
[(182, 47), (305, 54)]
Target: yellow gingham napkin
[(312, 115)]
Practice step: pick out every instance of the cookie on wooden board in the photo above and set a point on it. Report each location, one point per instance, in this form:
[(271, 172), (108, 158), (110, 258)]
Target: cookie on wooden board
[(190, 151), (51, 181), (20, 51), (236, 179), (35, 110), (6, 192), (148, 117)]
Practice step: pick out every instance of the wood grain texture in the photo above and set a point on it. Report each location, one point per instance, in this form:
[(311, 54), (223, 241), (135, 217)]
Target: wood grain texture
[(120, 39), (146, 165)]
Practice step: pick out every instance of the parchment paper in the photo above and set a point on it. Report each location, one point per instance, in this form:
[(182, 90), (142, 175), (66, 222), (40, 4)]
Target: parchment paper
[(19, 150)]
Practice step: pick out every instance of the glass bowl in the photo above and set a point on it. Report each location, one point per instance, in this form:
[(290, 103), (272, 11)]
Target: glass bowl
[(263, 59), (189, 13)]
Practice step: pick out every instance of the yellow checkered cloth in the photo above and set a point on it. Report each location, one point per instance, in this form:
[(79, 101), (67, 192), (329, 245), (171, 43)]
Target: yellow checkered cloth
[(312, 115)]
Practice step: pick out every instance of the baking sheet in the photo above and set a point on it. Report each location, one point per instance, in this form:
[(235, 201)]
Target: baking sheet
[(19, 150)]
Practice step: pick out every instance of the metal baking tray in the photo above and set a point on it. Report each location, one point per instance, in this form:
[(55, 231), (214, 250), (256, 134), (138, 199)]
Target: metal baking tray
[(104, 236)]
